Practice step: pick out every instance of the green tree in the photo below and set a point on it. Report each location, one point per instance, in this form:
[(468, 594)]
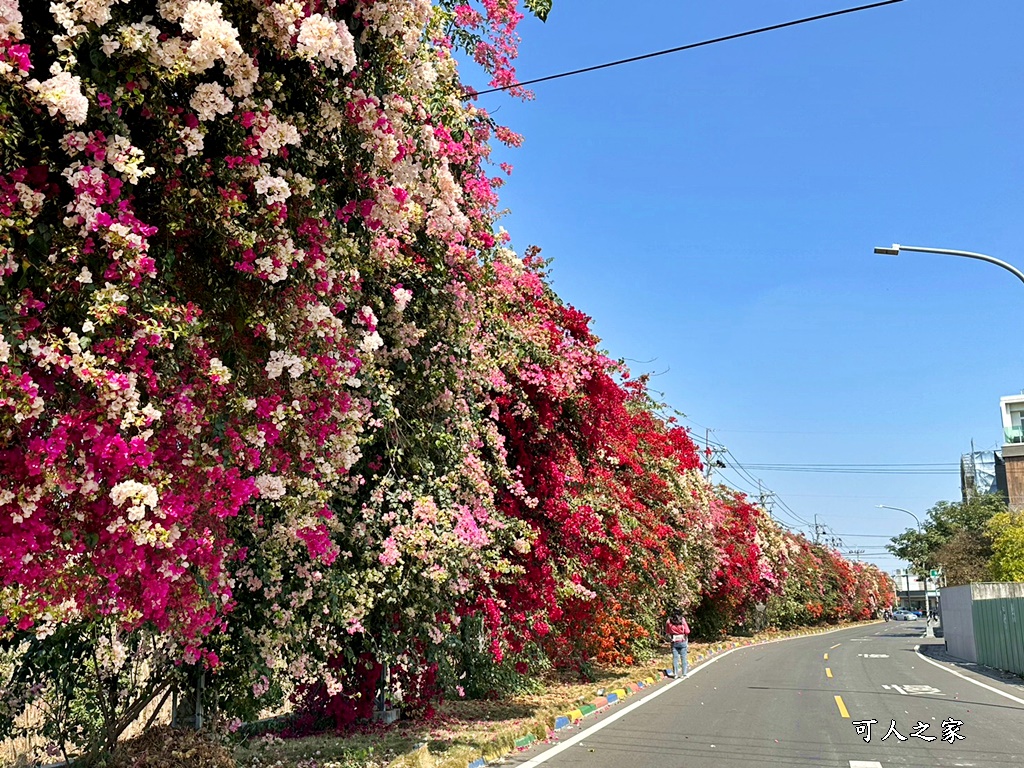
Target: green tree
[(921, 548), (1007, 532), (965, 557)]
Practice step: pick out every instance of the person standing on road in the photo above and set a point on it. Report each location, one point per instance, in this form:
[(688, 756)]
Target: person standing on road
[(678, 632)]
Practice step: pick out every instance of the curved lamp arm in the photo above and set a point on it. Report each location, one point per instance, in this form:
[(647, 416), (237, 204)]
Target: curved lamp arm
[(896, 248)]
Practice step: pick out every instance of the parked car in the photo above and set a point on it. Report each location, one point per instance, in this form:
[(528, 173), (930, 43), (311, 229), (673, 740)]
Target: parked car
[(902, 614)]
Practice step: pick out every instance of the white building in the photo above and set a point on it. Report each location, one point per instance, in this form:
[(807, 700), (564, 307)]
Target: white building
[(910, 591)]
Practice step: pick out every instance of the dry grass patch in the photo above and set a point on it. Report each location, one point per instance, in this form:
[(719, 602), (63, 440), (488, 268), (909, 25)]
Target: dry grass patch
[(462, 731), (166, 747)]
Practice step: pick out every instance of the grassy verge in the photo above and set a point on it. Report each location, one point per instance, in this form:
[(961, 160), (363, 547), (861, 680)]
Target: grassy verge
[(466, 730), (461, 732)]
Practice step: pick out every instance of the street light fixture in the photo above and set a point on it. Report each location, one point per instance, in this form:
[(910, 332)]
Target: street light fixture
[(901, 509), (927, 603), (896, 248)]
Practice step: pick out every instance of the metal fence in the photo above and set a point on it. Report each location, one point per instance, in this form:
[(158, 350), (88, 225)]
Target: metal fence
[(999, 633)]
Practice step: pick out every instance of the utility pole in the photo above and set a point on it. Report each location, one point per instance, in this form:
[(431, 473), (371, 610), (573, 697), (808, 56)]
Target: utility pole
[(819, 528), (710, 456), (707, 455), (764, 498)]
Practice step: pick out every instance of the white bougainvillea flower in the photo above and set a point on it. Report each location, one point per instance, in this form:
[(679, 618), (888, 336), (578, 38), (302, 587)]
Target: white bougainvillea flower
[(143, 495), (62, 94), (328, 41), (10, 19), (209, 100)]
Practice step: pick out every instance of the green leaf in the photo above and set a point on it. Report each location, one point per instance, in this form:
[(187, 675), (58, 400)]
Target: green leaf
[(539, 8)]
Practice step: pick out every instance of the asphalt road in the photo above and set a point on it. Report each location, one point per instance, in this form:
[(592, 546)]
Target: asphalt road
[(798, 703)]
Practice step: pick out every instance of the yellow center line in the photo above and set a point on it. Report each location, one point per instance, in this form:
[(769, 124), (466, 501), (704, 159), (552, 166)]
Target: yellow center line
[(828, 672), (842, 707), (835, 646), (826, 657)]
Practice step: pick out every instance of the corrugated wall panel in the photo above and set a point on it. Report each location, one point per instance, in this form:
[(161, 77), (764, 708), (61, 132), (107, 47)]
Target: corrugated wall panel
[(999, 633)]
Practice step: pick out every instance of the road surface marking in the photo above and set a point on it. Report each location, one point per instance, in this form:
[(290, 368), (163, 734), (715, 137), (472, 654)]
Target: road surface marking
[(828, 672), (865, 764), (587, 733), (826, 657), (965, 677), (571, 742), (896, 688), (920, 690), (835, 646), (874, 655), (842, 707)]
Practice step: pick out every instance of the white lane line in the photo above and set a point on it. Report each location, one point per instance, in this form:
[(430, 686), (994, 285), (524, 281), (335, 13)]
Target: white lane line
[(587, 733), (917, 650), (535, 761), (865, 764)]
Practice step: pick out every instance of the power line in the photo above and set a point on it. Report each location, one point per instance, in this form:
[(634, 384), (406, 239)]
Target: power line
[(749, 484), (741, 471), (687, 47), (855, 469), (873, 496), (884, 464), (708, 431)]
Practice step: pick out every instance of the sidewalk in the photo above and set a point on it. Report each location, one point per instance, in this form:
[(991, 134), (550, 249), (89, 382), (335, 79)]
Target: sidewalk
[(935, 649)]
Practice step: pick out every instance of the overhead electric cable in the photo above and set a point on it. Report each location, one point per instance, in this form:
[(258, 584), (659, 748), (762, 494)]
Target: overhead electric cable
[(737, 467), (786, 506), (884, 464), (861, 469), (687, 47)]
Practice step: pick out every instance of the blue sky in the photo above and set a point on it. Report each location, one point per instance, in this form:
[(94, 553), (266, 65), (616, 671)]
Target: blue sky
[(715, 212)]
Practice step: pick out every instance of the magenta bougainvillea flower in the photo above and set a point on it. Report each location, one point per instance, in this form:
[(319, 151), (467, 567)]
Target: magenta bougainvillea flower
[(276, 394)]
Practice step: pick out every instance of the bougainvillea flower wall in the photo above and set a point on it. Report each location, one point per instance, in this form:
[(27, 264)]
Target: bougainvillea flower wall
[(279, 404)]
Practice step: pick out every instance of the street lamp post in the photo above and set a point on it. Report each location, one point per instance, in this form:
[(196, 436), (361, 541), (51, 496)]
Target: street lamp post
[(927, 603), (896, 248)]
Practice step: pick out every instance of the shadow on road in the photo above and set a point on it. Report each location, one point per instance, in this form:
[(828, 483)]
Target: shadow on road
[(937, 652)]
